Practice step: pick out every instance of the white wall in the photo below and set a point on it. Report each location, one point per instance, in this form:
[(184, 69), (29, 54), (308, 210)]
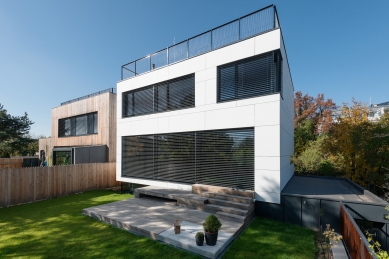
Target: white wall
[(263, 113)]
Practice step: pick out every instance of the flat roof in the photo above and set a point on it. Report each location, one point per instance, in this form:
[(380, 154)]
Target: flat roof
[(333, 188)]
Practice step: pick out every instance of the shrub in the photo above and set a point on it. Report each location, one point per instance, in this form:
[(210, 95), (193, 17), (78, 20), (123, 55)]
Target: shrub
[(200, 234), (212, 224)]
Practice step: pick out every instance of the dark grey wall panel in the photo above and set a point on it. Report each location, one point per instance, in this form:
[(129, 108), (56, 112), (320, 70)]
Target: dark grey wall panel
[(331, 214), (90, 154), (275, 211), (261, 208), (310, 208), (98, 154), (81, 155), (292, 209)]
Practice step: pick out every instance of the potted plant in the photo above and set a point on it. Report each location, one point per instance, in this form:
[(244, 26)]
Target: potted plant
[(199, 238), (211, 228)]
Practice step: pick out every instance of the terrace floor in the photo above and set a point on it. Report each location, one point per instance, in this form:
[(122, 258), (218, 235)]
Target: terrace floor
[(154, 217)]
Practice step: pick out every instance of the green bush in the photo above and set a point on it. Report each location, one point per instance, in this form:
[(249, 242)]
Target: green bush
[(212, 224), (200, 234)]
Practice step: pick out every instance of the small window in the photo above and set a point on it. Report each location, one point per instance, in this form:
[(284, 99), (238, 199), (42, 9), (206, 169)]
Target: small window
[(250, 77)]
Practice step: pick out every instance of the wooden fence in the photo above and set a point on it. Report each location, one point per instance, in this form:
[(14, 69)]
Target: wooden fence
[(353, 238), (11, 162), (22, 185)]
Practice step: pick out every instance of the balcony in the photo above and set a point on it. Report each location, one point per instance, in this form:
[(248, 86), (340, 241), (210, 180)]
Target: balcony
[(245, 27)]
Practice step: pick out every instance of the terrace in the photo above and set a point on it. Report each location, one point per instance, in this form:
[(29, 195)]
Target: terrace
[(258, 22)]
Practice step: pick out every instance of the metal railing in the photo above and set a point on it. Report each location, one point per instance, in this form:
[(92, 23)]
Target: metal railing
[(109, 90), (240, 29)]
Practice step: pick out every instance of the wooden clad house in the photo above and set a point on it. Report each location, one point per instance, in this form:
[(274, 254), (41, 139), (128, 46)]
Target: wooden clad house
[(83, 130)]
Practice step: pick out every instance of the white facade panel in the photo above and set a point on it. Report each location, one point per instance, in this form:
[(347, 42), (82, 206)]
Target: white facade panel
[(267, 114), (240, 50), (267, 141), (144, 127), (271, 197), (200, 94), (207, 74), (238, 117), (187, 122), (268, 42), (210, 91), (186, 67)]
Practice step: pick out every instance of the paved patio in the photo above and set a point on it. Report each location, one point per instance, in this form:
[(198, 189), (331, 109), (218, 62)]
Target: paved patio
[(152, 216)]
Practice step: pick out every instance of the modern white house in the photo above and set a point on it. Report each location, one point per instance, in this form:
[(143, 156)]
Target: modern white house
[(215, 109)]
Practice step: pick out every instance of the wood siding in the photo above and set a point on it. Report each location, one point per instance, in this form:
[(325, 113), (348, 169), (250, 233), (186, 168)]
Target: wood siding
[(11, 163), (105, 106)]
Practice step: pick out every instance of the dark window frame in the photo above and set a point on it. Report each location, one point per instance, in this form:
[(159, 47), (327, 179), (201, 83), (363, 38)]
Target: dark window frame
[(275, 80), (155, 90), (73, 120)]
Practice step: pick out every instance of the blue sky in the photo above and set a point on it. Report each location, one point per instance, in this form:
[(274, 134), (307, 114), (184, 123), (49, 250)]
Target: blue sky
[(54, 51)]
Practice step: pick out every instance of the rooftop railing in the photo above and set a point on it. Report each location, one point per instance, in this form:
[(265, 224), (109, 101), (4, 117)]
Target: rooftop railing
[(240, 29), (109, 90)]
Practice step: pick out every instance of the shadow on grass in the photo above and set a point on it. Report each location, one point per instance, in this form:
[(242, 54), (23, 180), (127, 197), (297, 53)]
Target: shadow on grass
[(266, 238), (57, 229)]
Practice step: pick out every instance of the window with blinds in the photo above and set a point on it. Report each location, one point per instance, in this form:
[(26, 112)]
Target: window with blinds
[(250, 77), (217, 157), (78, 125), (178, 93)]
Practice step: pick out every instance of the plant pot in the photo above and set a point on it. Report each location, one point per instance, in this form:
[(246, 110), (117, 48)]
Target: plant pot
[(200, 241), (211, 238)]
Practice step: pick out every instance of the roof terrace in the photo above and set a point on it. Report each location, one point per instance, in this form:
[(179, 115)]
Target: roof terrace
[(245, 27)]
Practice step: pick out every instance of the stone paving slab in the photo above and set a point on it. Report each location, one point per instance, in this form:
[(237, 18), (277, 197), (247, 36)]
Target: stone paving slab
[(186, 240)]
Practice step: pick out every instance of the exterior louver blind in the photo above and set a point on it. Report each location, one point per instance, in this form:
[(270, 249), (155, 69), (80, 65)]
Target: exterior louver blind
[(221, 157), (78, 125), (250, 77), (166, 96)]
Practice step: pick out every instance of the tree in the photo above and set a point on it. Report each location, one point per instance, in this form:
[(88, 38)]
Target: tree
[(312, 117), (14, 132), (363, 145)]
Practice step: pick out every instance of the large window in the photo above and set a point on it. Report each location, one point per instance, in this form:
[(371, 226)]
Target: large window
[(250, 77), (170, 95), (217, 157), (78, 125)]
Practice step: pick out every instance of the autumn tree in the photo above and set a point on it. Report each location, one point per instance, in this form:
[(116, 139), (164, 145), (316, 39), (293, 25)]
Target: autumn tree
[(312, 117), (361, 144)]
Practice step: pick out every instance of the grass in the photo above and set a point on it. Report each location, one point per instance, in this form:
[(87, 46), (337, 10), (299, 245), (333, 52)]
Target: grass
[(57, 229), (266, 238)]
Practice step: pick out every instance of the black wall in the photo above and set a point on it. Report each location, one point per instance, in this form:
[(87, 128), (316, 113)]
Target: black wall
[(303, 211)]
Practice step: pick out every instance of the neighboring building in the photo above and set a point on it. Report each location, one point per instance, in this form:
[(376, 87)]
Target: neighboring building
[(377, 110), (83, 130), (215, 109)]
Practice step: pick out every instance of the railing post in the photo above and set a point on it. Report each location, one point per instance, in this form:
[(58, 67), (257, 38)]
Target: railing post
[(212, 39), (187, 49), (239, 30), (167, 56)]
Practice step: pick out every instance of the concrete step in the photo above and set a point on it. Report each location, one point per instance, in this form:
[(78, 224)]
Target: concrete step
[(218, 208), (199, 188), (231, 217), (230, 204), (192, 200), (227, 197)]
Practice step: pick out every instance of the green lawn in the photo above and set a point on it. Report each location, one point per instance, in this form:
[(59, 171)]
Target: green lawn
[(266, 238), (56, 229)]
